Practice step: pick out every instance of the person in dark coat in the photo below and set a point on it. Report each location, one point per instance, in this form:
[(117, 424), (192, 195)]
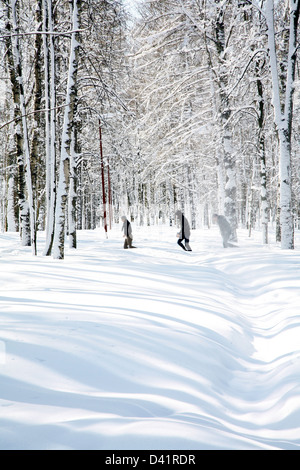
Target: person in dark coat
[(184, 233), (225, 229), (127, 233)]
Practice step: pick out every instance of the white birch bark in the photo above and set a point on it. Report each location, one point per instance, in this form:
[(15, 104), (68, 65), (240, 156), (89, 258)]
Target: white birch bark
[(9, 190), (11, 222), (50, 99), (283, 112), (64, 170), (23, 212), (224, 111), (264, 209), (73, 196), (25, 140), (264, 206)]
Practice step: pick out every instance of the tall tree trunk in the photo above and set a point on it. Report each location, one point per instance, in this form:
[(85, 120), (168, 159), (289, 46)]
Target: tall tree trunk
[(64, 171), (264, 206), (225, 113), (73, 190), (283, 112), (37, 141), (50, 99), (25, 140), (25, 195), (10, 197)]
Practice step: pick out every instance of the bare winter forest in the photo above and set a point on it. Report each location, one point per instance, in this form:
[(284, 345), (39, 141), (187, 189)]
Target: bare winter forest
[(189, 104)]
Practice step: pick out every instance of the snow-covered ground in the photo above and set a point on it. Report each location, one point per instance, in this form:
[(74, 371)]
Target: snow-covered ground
[(153, 348)]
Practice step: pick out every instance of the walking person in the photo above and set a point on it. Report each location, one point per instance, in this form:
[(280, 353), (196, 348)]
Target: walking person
[(127, 233), (184, 233), (225, 229)]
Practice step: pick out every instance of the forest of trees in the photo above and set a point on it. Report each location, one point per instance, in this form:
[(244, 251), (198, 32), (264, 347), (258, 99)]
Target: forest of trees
[(191, 104)]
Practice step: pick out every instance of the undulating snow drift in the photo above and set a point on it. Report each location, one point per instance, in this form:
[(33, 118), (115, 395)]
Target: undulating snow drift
[(153, 348)]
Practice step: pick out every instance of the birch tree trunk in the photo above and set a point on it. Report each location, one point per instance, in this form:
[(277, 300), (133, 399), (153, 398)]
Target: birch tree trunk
[(73, 191), (37, 140), (264, 206), (225, 113), (283, 112), (25, 142), (64, 171), (50, 99), (18, 137), (25, 194), (11, 225), (10, 195)]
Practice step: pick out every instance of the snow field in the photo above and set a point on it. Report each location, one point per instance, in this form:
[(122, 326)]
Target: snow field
[(153, 348)]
